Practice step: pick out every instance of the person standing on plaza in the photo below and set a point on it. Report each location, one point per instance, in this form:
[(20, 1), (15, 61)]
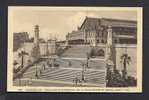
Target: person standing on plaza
[(44, 67)]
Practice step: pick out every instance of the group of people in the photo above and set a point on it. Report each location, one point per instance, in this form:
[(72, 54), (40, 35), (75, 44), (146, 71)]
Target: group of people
[(43, 67), (79, 81)]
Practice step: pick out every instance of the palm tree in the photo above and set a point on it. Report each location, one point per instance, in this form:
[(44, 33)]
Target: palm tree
[(22, 54), (125, 59)]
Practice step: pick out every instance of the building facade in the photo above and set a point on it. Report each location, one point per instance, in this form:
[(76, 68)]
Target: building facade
[(75, 37), (113, 37), (93, 31)]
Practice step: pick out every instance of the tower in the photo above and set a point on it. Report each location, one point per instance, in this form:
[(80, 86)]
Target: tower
[(36, 37), (36, 49)]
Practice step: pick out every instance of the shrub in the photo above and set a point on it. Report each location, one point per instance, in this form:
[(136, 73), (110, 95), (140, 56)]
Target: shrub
[(59, 51)]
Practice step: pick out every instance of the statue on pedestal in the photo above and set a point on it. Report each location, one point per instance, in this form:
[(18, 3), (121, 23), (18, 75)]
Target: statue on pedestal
[(109, 46)]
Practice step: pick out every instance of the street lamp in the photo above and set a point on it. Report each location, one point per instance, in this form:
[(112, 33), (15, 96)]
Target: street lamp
[(83, 71), (36, 75), (88, 57), (22, 54)]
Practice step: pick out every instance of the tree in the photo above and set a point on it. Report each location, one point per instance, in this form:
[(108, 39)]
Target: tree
[(131, 81), (114, 79), (22, 54), (59, 51), (125, 59)]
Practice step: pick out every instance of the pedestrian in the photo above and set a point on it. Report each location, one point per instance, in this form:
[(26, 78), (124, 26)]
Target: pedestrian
[(48, 62), (80, 81), (76, 80), (30, 81), (69, 64), (44, 67), (36, 75), (40, 71), (83, 79)]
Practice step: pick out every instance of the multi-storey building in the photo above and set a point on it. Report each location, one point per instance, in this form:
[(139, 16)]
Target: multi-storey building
[(94, 31)]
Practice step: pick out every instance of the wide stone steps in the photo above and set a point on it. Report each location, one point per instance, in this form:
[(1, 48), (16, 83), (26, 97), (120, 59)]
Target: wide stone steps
[(68, 75), (98, 77), (77, 51), (31, 71)]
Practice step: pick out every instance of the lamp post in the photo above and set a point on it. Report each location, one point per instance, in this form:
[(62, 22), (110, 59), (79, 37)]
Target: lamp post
[(36, 75), (83, 70), (88, 57), (22, 54)]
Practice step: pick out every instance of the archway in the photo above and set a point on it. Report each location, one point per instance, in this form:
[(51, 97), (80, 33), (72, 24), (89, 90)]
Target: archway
[(100, 52)]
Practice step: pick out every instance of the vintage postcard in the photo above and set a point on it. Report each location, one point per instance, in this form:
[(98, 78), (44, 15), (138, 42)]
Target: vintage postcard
[(74, 49)]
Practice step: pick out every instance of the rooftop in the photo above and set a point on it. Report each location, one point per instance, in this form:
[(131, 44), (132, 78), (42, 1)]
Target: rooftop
[(108, 21)]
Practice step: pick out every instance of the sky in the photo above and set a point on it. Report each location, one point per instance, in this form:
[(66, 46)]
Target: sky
[(58, 22)]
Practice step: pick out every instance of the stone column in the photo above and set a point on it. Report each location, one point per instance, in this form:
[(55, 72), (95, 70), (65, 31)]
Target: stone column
[(47, 49), (94, 38), (109, 47), (67, 40), (54, 46), (84, 36), (109, 37)]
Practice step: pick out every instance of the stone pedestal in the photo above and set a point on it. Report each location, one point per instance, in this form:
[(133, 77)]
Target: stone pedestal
[(109, 46)]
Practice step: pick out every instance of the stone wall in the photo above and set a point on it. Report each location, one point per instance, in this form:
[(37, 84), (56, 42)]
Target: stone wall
[(28, 48), (120, 49), (43, 48)]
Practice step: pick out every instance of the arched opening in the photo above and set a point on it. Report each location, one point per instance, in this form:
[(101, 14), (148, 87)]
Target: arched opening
[(101, 52)]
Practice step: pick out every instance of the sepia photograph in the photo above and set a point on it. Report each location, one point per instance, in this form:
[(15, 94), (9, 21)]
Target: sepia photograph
[(74, 49)]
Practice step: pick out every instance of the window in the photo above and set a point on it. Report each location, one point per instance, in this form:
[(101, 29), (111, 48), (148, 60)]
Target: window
[(97, 41)]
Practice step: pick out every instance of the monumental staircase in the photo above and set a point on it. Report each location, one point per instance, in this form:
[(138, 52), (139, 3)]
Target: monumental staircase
[(77, 51), (92, 76)]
